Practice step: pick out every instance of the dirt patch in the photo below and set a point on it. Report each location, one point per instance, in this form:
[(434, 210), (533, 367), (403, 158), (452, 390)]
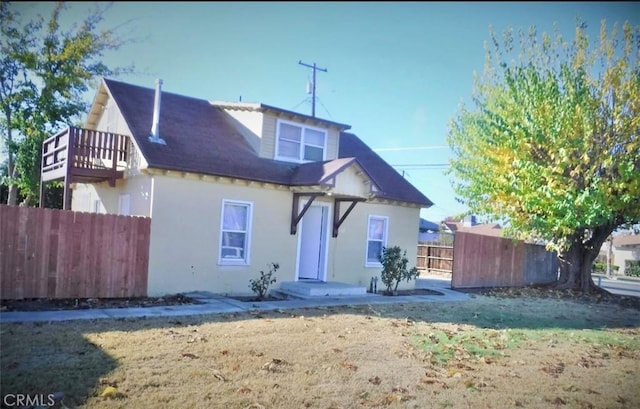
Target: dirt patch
[(57, 304), (418, 291)]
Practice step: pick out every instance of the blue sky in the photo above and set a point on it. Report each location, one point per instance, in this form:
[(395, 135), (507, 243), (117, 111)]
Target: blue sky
[(396, 71)]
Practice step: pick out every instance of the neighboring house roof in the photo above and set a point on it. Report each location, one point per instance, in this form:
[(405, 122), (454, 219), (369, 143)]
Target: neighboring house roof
[(487, 229), (200, 139), (627, 240), (451, 226), (427, 225)]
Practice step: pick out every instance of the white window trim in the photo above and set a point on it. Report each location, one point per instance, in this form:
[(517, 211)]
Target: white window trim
[(236, 262), (367, 263), (300, 158)]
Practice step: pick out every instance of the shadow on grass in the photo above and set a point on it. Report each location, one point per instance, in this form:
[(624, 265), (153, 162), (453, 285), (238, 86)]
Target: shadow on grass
[(29, 351)]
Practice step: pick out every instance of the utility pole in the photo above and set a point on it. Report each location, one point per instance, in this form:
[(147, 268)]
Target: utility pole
[(313, 85)]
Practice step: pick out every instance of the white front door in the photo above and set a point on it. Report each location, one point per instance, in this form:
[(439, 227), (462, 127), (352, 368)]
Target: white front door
[(313, 243)]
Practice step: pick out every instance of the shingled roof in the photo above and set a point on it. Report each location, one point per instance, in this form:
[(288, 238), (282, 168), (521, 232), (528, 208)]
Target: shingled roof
[(200, 139), (625, 240)]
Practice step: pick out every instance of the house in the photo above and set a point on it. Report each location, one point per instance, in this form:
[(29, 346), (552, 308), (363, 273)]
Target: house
[(428, 231), (470, 225), (624, 248), (231, 187)]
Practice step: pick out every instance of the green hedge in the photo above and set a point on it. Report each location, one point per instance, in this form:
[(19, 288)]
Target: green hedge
[(632, 268)]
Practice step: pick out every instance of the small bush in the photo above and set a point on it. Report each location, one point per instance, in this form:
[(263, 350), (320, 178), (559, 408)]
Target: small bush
[(632, 268), (261, 285), (394, 268), (599, 267)]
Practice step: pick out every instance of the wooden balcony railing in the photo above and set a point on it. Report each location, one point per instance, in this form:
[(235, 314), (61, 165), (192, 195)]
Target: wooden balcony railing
[(83, 155)]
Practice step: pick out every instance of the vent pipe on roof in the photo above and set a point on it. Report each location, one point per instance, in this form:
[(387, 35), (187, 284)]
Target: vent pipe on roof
[(155, 127)]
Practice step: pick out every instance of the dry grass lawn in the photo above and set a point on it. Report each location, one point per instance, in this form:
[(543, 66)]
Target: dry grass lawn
[(488, 352)]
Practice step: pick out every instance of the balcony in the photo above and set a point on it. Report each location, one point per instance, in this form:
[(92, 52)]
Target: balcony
[(85, 156)]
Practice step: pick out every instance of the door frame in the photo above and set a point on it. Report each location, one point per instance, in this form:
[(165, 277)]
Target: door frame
[(322, 274)]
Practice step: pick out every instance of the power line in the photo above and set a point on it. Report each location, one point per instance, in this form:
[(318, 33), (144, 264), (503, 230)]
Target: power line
[(422, 165), (415, 148)]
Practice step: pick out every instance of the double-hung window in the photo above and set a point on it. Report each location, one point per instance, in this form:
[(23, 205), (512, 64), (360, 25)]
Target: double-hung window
[(235, 232), (298, 143), (376, 239)]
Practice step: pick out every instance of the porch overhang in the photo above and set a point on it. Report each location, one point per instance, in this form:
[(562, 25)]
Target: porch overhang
[(343, 180), (297, 215), (338, 219)]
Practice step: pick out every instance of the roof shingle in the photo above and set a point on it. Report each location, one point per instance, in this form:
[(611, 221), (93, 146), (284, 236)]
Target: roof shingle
[(200, 139)]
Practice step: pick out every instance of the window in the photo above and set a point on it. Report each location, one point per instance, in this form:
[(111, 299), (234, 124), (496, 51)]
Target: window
[(235, 230), (299, 143), (376, 239)]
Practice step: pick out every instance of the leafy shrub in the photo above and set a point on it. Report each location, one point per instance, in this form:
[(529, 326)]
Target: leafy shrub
[(260, 286), (394, 268), (601, 267), (632, 268)]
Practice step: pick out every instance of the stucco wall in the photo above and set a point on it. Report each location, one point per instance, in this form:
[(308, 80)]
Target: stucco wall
[(138, 189), (185, 237), (349, 249)]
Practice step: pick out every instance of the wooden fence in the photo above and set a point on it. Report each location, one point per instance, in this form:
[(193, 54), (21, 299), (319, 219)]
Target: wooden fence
[(435, 258), (487, 261), (49, 253)]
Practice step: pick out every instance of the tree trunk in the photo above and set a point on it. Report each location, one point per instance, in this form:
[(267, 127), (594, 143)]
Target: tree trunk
[(12, 199), (12, 172), (576, 262)]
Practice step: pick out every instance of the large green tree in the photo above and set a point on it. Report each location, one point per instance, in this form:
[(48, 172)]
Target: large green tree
[(552, 144), (44, 72)]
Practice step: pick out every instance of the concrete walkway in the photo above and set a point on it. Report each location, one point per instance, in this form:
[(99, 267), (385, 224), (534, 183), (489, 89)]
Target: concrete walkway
[(216, 304)]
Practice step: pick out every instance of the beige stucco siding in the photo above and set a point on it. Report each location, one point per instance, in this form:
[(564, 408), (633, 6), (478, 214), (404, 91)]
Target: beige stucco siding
[(185, 236), (137, 188), (349, 261)]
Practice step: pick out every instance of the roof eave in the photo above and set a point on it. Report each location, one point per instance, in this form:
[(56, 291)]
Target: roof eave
[(260, 107)]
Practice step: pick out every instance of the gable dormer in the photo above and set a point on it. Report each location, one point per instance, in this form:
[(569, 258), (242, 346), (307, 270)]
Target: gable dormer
[(283, 135)]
